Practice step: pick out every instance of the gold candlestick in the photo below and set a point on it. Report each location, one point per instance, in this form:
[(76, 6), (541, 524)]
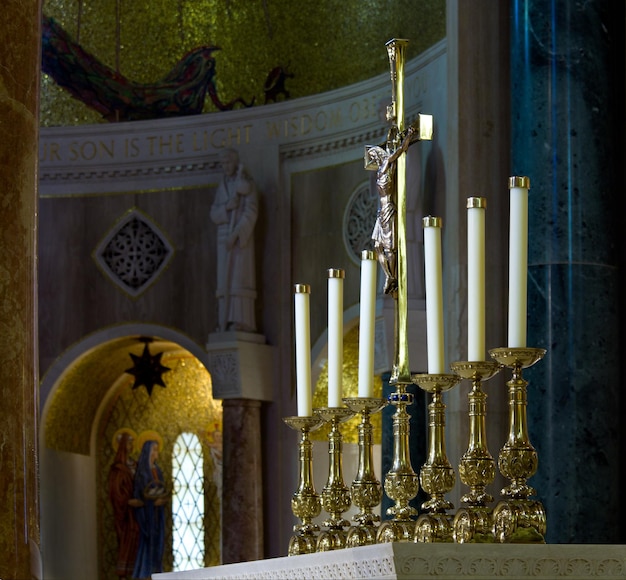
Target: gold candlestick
[(518, 519), (401, 482), (305, 503), (335, 496), (366, 490), (477, 468), (436, 475)]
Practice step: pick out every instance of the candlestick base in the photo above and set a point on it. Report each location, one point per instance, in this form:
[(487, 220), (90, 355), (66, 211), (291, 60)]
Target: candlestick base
[(473, 523), (366, 490), (335, 497), (519, 521), (517, 518), (436, 475), (305, 502), (435, 527)]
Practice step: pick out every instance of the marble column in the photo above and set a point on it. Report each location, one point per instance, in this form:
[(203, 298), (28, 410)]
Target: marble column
[(19, 86), (242, 501), (567, 74), (241, 367)]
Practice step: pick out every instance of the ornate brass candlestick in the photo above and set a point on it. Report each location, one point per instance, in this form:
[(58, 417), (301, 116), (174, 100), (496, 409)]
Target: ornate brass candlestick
[(305, 503), (436, 475), (335, 496), (366, 490), (401, 482), (518, 519), (477, 468)]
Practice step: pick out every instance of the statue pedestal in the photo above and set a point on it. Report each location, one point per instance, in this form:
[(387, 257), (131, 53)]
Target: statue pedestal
[(241, 366), (425, 561)]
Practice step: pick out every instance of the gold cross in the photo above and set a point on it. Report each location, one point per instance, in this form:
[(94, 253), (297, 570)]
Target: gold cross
[(398, 141)]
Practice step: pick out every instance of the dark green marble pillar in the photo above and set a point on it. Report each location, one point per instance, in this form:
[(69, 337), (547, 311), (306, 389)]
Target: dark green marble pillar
[(567, 74)]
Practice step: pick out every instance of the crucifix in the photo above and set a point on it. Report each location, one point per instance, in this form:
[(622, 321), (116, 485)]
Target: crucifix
[(389, 235), (389, 160)]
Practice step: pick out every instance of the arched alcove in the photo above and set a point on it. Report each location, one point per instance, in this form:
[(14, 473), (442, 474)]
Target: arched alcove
[(92, 390)]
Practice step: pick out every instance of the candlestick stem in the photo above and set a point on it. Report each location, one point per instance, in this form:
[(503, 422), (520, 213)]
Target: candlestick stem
[(335, 496), (473, 523), (305, 502), (366, 490), (517, 518), (401, 482), (437, 476)]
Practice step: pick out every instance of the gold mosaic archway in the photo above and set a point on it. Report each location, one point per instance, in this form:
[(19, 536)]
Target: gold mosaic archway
[(96, 388)]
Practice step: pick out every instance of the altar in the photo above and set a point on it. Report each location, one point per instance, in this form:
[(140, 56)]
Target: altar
[(416, 561)]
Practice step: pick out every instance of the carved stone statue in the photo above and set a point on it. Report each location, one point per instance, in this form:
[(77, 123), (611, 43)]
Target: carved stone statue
[(235, 211)]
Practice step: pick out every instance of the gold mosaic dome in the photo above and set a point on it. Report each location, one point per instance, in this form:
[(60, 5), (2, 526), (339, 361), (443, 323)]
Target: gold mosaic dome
[(312, 47)]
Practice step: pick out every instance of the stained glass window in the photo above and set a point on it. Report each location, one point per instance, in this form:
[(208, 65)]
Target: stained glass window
[(188, 503)]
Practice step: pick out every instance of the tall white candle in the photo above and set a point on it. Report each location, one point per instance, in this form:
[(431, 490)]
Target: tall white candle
[(476, 278), (335, 336), (518, 261), (303, 348), (366, 324), (434, 293)]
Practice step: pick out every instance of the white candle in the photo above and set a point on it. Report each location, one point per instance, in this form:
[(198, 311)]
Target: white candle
[(476, 278), (335, 336), (434, 293), (518, 260), (366, 324), (303, 349)]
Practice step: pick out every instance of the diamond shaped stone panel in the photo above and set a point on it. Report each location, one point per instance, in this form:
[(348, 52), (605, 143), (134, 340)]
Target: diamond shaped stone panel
[(134, 253)]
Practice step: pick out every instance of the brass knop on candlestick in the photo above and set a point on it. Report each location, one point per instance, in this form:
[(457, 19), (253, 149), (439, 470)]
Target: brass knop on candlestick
[(517, 518), (305, 502), (437, 476), (366, 490), (477, 469), (335, 497)]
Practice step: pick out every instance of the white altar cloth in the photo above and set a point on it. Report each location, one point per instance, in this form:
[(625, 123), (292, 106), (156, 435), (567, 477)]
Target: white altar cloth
[(417, 561)]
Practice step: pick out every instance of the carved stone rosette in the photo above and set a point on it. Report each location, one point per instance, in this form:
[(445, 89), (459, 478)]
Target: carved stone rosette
[(477, 468), (517, 518)]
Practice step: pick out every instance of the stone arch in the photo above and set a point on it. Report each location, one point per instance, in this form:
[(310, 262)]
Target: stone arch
[(76, 392)]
